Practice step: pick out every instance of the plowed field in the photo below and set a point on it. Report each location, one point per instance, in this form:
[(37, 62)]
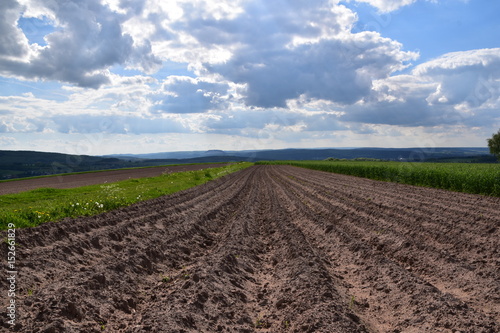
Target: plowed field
[(268, 249)]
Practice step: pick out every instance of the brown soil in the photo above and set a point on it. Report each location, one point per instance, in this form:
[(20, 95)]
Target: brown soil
[(101, 177), (268, 249)]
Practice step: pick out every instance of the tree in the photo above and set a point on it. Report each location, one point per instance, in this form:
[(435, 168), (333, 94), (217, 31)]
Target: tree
[(494, 144)]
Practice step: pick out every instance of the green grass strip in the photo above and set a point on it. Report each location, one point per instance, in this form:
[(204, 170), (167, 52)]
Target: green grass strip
[(472, 178), (32, 208)]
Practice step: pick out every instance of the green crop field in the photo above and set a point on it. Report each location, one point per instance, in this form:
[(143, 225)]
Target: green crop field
[(461, 177), (31, 208)]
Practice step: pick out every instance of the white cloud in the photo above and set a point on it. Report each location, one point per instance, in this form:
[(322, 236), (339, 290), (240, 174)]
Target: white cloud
[(459, 61), (87, 41), (336, 70), (301, 49), (471, 77), (183, 94), (250, 43), (116, 124), (268, 70), (261, 123), (6, 141), (386, 6), (13, 42), (455, 89)]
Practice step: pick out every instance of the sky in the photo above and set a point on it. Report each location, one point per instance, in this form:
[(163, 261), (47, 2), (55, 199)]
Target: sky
[(102, 77)]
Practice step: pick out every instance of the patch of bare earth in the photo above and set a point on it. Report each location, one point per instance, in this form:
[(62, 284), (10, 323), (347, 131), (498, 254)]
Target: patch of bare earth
[(268, 249)]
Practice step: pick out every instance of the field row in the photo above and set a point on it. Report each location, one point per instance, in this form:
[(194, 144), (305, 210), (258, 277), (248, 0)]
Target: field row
[(461, 177)]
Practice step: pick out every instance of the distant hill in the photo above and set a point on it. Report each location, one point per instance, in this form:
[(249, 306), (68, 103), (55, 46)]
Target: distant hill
[(22, 164), (19, 164), (392, 154)]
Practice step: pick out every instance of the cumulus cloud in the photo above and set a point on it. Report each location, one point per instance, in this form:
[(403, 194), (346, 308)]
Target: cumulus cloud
[(118, 124), (301, 49), (279, 50), (261, 122), (388, 5), (456, 88), (323, 122), (184, 94), (270, 25), (87, 41), (257, 69), (7, 140), (92, 123), (412, 111), (467, 76), (336, 70), (13, 42), (238, 120)]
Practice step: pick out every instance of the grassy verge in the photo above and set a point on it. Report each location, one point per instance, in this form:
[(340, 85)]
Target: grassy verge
[(461, 177), (31, 208)]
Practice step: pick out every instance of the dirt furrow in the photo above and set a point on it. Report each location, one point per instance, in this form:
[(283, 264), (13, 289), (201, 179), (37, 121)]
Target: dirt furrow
[(267, 267), (406, 238), (418, 196), (442, 272), (380, 216), (93, 252), (420, 201), (268, 249), (411, 220), (313, 298)]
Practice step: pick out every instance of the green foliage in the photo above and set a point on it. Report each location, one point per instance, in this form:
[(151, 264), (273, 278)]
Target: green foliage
[(494, 144), (196, 175), (32, 208), (460, 177), (359, 159), (261, 323), (167, 279), (352, 302)]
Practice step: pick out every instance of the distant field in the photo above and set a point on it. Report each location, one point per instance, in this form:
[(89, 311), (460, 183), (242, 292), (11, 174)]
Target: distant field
[(461, 177), (34, 207), (78, 179)]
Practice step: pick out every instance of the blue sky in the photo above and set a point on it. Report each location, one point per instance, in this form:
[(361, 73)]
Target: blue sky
[(436, 27), (110, 76)]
